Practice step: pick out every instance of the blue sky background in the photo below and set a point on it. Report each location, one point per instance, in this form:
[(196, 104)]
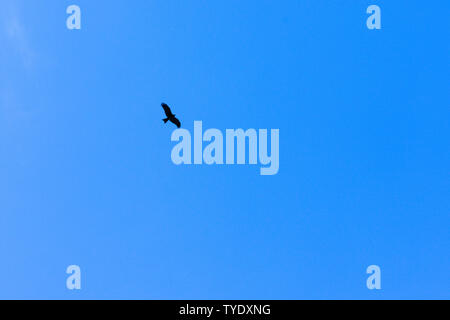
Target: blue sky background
[(86, 176)]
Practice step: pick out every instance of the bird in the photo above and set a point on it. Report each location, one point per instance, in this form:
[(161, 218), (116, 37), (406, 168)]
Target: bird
[(170, 116)]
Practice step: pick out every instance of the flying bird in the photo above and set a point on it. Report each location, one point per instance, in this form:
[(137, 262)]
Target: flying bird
[(170, 116)]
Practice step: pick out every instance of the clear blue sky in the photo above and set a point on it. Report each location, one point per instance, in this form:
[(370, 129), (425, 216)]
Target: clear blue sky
[(86, 176)]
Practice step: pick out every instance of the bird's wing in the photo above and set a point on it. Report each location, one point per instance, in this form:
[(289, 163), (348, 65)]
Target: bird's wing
[(176, 122), (166, 109)]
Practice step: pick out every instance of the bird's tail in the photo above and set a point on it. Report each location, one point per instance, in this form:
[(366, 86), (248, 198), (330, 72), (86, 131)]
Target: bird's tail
[(165, 120)]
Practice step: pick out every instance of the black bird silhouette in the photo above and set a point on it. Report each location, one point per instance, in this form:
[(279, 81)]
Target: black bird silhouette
[(170, 116)]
